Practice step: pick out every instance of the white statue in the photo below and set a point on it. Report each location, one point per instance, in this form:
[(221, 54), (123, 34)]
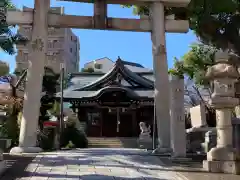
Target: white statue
[(145, 131)]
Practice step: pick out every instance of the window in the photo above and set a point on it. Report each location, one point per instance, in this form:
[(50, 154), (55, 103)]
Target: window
[(55, 44), (49, 44), (71, 50), (56, 56), (71, 38), (25, 56), (98, 66), (20, 52)]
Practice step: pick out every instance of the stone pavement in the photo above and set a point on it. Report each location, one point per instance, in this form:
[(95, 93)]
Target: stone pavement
[(192, 170), (97, 164)]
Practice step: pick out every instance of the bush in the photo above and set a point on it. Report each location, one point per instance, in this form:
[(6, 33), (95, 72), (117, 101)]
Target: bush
[(11, 129), (77, 137), (46, 139)]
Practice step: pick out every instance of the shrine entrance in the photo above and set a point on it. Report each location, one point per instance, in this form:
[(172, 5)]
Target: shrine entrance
[(41, 19), (109, 123), (116, 112), (127, 124), (116, 123)]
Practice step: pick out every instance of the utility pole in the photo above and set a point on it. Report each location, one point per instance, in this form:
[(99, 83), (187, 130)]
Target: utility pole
[(61, 119)]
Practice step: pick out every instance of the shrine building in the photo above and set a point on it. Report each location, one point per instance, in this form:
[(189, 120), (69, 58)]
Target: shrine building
[(112, 104)]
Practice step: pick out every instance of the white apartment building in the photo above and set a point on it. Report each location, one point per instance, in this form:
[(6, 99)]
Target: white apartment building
[(105, 64), (63, 47), (100, 65)]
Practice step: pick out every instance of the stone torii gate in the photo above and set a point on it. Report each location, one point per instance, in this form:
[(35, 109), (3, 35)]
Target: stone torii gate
[(41, 19)]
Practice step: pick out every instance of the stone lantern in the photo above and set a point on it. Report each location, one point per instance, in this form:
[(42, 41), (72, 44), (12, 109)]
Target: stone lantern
[(223, 76)]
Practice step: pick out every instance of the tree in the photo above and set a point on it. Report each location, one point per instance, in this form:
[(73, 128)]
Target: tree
[(12, 104), (195, 63), (193, 66), (89, 70), (215, 22), (7, 38), (50, 83), (49, 88), (4, 68)]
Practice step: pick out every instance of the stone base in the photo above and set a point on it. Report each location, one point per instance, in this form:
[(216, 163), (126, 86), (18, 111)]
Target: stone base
[(223, 154), (3, 166), (145, 143), (162, 151), (232, 167), (21, 150), (180, 159)]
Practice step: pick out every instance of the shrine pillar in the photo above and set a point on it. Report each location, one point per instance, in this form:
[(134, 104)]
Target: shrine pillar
[(178, 132), (160, 67), (223, 75), (32, 96)]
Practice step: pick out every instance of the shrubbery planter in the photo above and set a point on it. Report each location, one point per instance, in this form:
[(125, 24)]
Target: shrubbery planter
[(5, 143)]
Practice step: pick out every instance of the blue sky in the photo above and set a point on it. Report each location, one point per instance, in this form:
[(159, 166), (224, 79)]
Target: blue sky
[(130, 46)]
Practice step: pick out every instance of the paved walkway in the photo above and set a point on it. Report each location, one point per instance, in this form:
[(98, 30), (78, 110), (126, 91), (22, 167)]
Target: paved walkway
[(192, 170), (97, 164)]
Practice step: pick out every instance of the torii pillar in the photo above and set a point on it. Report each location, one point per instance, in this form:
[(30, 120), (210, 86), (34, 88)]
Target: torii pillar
[(162, 86), (32, 96)]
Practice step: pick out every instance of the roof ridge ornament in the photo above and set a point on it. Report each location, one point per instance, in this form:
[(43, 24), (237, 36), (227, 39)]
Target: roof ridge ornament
[(119, 59)]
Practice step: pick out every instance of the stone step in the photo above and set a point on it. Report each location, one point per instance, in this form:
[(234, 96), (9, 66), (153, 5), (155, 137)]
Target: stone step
[(117, 142)]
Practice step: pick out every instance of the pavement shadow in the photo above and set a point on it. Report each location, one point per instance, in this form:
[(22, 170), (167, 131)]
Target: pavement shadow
[(90, 177), (16, 166), (107, 158)]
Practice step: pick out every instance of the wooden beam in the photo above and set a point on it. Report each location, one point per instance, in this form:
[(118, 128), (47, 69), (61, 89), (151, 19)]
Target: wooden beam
[(86, 22), (168, 3)]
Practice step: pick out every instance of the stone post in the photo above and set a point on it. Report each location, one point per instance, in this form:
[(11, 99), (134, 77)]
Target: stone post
[(237, 111), (178, 132), (160, 66), (38, 46), (223, 157)]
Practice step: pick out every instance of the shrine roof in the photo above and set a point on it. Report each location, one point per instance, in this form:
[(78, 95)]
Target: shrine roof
[(119, 69), (80, 79), (92, 84), (92, 94)]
